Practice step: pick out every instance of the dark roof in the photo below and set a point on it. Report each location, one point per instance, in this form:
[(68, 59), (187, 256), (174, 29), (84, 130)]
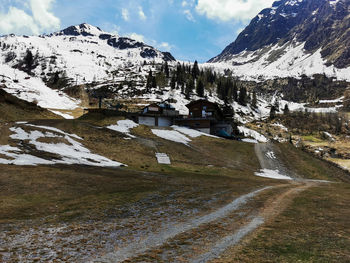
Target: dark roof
[(163, 105), (202, 100)]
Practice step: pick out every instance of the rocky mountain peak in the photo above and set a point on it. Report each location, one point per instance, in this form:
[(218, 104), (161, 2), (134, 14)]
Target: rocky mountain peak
[(83, 29), (319, 24)]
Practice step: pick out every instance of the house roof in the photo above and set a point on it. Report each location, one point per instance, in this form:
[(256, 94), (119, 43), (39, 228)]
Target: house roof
[(192, 103), (163, 105)]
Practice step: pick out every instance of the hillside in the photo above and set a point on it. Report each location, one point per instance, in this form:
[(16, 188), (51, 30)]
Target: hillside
[(70, 196), (14, 109), (290, 39)]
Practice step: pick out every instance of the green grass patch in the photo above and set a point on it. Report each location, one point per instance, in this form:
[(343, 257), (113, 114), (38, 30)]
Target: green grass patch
[(314, 228), (308, 166)]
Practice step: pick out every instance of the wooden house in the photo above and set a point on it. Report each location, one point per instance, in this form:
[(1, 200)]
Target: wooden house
[(205, 116), (161, 115)]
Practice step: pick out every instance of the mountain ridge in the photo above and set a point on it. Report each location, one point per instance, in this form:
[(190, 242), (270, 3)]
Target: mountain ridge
[(316, 28)]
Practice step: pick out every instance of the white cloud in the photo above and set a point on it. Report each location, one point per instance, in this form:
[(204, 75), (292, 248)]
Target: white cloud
[(187, 3), (20, 22), (142, 14), (164, 46), (189, 15), (41, 14), (125, 14), (226, 10), (137, 37)]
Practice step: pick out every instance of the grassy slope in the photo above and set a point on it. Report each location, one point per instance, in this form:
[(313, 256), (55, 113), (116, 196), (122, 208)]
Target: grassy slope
[(14, 109), (308, 166), (210, 167), (314, 228), (72, 192)]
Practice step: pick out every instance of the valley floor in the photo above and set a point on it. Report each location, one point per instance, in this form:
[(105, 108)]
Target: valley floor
[(206, 207)]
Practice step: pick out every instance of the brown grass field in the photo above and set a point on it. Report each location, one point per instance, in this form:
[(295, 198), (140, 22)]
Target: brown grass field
[(305, 222)]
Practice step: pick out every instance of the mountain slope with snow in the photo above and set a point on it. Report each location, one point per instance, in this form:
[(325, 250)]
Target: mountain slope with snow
[(292, 38), (32, 67)]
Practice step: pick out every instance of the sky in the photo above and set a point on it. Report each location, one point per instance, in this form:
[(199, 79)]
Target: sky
[(189, 29)]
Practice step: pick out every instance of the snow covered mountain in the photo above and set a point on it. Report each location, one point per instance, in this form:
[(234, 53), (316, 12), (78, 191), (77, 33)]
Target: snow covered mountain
[(79, 54), (65, 71), (84, 52), (293, 38)]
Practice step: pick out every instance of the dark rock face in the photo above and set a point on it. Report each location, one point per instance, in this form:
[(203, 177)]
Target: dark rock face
[(168, 56), (321, 24), (121, 43), (124, 43), (80, 30), (148, 53), (105, 36)]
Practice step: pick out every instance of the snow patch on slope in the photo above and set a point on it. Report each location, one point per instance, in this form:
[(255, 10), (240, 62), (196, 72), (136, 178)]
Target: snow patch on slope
[(72, 153), (253, 134), (273, 174), (179, 134), (174, 136), (293, 61), (35, 90), (124, 126)]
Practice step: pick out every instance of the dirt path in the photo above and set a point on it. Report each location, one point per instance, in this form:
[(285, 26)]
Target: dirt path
[(266, 154), (229, 245), (213, 244), (170, 231), (213, 236), (241, 219)]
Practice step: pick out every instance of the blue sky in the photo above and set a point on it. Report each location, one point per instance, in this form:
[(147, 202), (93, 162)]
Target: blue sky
[(189, 29)]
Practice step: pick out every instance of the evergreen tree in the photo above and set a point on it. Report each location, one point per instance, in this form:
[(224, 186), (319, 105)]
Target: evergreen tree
[(29, 61), (286, 109), (149, 81), (242, 96), (195, 70), (166, 69), (273, 112), (189, 87), (235, 92), (219, 89), (173, 82), (254, 100), (154, 83), (200, 88)]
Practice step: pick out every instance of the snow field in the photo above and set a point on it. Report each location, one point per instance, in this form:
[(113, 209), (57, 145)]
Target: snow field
[(273, 174), (124, 126), (72, 152)]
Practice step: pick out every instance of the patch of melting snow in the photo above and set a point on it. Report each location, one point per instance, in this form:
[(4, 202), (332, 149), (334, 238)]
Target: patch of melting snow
[(124, 126), (180, 134), (250, 140), (72, 153), (281, 126), (55, 130), (64, 115), (273, 174), (191, 132), (253, 134), (169, 135), (271, 155)]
